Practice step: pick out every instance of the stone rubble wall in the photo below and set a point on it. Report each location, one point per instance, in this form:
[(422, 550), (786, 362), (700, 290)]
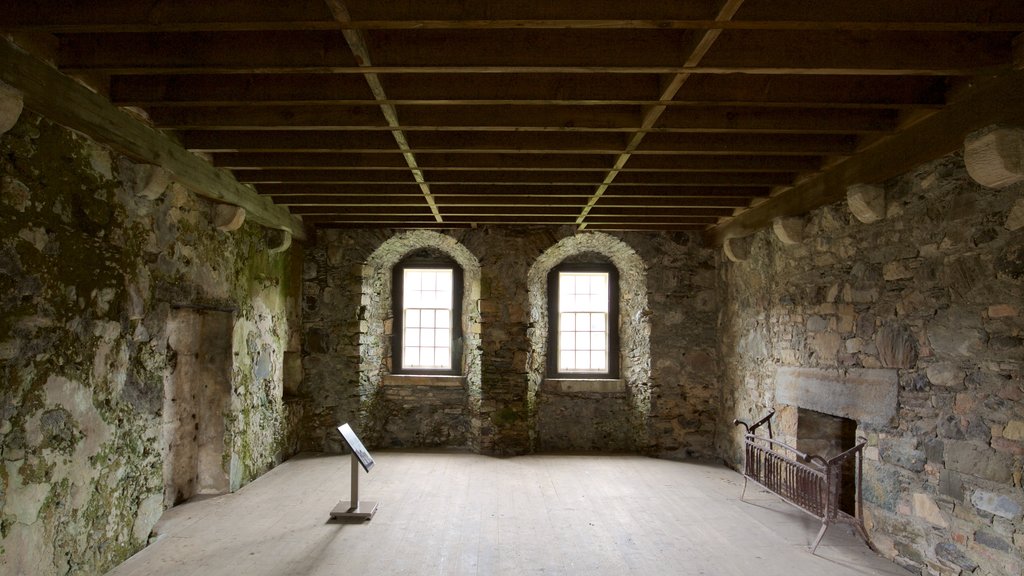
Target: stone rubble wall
[(677, 369), (90, 272), (934, 291)]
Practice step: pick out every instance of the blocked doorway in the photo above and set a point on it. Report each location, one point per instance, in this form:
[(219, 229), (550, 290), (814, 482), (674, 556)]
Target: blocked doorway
[(197, 397)]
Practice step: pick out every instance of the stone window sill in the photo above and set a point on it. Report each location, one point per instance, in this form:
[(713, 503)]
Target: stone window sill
[(589, 385), (423, 380)]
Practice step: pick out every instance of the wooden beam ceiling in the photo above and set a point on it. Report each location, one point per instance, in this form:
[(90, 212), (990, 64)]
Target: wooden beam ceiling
[(713, 115)]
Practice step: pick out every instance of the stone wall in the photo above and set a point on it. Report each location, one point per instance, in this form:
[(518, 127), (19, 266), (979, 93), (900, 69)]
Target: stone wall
[(933, 293), (669, 342), (91, 276)]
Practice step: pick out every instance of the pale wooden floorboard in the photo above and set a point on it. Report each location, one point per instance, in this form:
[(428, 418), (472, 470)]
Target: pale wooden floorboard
[(463, 514)]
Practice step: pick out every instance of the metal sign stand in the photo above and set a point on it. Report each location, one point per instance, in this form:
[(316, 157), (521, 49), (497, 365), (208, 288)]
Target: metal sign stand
[(355, 508)]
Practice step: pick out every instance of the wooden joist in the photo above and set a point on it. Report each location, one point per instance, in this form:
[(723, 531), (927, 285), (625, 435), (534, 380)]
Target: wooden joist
[(66, 102), (569, 51), (987, 101), (165, 15)]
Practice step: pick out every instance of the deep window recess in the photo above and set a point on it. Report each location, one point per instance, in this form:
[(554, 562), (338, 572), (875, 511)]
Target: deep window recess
[(427, 339), (583, 322)]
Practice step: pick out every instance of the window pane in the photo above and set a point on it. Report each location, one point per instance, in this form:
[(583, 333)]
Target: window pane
[(412, 337), (565, 363), (442, 357), (597, 361), (427, 318), (568, 322), (442, 319), (582, 360), (412, 318), (411, 357), (597, 341), (597, 322)]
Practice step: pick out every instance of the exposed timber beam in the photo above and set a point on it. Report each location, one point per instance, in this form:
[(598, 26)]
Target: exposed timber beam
[(360, 50), (985, 101), (538, 51), (857, 92), (55, 16), (653, 114), (66, 102)]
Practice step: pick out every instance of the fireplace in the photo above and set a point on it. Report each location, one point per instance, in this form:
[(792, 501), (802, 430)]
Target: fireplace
[(828, 436)]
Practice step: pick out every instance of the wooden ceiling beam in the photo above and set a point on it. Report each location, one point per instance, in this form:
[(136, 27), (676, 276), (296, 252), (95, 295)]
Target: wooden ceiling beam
[(561, 118), (630, 192), (201, 90), (66, 102), (373, 142), (515, 143), (670, 87), (983, 102), (516, 178), (526, 118), (611, 51), (356, 162), (55, 16), (224, 89), (357, 43)]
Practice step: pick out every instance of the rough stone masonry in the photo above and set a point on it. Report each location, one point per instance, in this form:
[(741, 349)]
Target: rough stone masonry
[(934, 291)]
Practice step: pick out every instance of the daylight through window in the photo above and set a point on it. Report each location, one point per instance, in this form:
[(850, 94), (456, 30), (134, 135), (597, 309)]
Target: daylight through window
[(583, 322), (427, 319)]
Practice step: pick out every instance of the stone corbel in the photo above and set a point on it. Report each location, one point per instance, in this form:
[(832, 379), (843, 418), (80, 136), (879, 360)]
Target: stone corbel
[(153, 182), (1015, 221), (286, 242), (738, 249), (995, 156), (867, 202), (789, 229), (229, 218), (11, 106)]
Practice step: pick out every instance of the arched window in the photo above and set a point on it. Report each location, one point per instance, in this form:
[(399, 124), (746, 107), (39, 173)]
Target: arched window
[(583, 325), (427, 298)]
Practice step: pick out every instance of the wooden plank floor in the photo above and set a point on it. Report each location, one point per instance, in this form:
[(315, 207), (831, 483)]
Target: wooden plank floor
[(460, 513)]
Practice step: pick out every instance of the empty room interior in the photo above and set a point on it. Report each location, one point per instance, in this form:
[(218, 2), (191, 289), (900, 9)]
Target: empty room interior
[(723, 287)]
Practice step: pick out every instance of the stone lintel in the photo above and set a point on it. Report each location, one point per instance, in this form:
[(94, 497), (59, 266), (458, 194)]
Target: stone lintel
[(789, 229), (578, 385), (867, 395), (995, 156), (11, 106), (229, 218), (738, 249), (867, 202)]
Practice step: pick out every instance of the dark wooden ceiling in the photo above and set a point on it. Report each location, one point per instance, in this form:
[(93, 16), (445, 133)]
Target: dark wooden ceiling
[(605, 115)]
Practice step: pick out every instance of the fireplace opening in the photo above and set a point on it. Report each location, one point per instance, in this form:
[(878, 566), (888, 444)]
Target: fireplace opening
[(828, 436)]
